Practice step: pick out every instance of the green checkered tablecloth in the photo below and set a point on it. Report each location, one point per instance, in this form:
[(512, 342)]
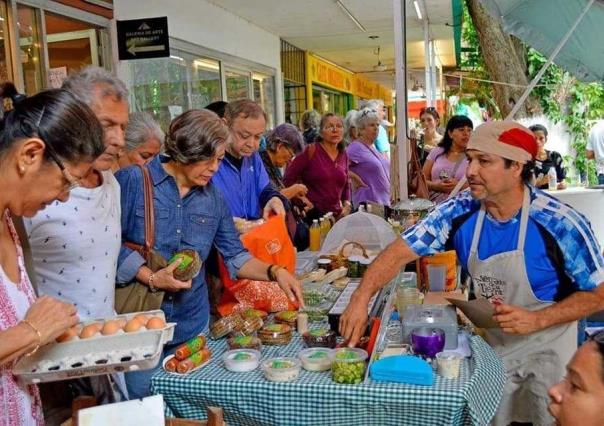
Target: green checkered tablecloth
[(313, 399)]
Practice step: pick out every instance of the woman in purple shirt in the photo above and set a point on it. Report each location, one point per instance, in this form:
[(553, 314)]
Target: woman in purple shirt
[(323, 168), (367, 163), (446, 164)]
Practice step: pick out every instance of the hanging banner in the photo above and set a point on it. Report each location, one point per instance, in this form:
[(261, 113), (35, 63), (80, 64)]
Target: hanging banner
[(143, 38)]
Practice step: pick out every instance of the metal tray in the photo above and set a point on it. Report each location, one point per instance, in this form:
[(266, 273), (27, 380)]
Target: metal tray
[(97, 355)]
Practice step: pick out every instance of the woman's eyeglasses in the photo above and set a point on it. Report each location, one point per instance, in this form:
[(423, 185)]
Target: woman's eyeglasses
[(333, 128), (71, 180)]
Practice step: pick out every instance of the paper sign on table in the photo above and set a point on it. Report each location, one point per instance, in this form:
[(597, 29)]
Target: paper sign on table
[(148, 411), (479, 311)]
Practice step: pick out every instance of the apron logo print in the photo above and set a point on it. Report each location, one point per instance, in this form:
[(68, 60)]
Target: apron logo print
[(491, 287), (273, 246)]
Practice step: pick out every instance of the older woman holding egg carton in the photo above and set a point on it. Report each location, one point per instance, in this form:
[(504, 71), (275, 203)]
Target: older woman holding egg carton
[(47, 143)]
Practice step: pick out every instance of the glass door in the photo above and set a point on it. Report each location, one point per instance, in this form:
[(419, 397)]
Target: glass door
[(28, 25), (5, 58), (237, 85)]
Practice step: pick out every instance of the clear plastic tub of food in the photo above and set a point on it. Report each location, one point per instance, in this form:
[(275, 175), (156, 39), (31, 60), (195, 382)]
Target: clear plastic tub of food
[(225, 325), (117, 350), (253, 313), (244, 342), (287, 317), (275, 334), (320, 337), (281, 369), (348, 366), (247, 326), (241, 360), (316, 359)]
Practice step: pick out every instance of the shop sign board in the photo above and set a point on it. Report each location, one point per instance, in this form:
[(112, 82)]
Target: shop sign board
[(329, 75), (143, 38)]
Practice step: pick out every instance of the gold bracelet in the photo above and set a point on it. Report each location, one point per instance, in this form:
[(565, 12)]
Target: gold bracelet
[(39, 337), (151, 286)]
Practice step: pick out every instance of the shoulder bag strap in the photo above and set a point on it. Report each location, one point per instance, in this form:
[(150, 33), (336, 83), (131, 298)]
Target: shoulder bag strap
[(149, 211)]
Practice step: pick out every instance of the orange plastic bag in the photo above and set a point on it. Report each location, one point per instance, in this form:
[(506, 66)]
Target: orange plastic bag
[(448, 260), (270, 243)]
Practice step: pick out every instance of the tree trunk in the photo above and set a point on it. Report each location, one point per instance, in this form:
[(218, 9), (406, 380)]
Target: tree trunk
[(504, 59)]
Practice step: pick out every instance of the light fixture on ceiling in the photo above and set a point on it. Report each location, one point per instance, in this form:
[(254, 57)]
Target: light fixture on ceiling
[(351, 16), (417, 10), (379, 66)]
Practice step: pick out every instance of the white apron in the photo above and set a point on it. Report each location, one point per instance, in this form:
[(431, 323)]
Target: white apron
[(533, 362)]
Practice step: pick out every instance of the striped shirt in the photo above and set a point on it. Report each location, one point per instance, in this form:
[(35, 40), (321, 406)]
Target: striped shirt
[(561, 252)]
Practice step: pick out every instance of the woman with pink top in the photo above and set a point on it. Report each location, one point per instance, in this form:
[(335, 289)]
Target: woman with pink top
[(323, 168), (446, 164)]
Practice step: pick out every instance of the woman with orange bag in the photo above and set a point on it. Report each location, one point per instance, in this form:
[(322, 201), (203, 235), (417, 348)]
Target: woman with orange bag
[(190, 213)]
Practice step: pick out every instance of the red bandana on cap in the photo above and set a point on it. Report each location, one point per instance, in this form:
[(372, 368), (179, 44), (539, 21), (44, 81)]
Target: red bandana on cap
[(505, 138)]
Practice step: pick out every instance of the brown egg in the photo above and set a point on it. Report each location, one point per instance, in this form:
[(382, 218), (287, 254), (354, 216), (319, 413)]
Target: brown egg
[(89, 331), (110, 327), (141, 318), (70, 334), (132, 326), (155, 323)]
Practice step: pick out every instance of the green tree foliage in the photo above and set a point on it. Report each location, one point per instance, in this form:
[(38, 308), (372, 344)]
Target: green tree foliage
[(563, 98)]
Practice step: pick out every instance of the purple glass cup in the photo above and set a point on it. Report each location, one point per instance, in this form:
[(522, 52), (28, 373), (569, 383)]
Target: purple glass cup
[(427, 341)]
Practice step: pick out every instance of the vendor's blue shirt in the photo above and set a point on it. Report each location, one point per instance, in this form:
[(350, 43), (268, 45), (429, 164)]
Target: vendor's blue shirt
[(561, 252), (243, 189), (198, 221)]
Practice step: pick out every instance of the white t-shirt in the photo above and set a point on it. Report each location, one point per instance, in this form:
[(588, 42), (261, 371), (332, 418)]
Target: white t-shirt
[(75, 246), (595, 143)]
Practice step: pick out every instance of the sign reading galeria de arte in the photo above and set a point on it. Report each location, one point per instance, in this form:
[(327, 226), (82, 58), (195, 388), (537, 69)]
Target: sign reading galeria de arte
[(143, 38)]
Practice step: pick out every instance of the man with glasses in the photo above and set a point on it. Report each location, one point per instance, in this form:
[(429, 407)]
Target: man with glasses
[(242, 177), (75, 245)]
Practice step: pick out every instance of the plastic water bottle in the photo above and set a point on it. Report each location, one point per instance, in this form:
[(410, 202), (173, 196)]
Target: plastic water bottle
[(552, 179)]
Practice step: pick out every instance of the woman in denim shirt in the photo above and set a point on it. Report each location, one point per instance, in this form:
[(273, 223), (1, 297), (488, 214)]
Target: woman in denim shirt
[(189, 213)]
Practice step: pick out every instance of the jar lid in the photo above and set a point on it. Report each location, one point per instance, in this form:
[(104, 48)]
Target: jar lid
[(414, 204), (324, 262)]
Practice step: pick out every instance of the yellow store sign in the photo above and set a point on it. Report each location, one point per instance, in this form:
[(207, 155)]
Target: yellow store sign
[(328, 75)]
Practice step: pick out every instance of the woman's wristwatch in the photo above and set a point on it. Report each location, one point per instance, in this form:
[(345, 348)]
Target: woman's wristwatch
[(271, 270)]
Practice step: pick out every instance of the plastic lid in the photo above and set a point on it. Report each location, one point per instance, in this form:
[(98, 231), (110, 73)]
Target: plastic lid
[(316, 354), (414, 204), (315, 221), (281, 364), (350, 355)]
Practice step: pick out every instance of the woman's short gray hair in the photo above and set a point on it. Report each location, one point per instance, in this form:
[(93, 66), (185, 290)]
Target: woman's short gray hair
[(82, 85), (349, 123), (195, 136), (310, 119), (364, 117), (287, 134), (141, 128), (371, 104)]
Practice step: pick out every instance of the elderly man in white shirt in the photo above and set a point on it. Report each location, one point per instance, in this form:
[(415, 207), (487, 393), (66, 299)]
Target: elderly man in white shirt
[(75, 245)]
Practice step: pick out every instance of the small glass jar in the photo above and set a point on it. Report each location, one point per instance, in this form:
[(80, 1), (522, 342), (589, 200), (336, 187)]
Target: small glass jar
[(324, 264)]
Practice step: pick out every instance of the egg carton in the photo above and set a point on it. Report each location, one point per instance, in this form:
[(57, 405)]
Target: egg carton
[(121, 352)]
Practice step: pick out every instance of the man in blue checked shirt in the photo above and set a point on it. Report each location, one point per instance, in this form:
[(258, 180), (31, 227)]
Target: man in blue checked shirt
[(535, 258)]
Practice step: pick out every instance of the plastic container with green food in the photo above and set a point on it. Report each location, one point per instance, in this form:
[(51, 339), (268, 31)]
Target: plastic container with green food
[(348, 366)]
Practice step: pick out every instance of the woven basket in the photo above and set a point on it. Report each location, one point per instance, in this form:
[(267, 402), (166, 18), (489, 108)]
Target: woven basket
[(340, 259)]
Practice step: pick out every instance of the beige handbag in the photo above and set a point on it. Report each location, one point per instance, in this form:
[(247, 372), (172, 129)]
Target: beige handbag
[(135, 296)]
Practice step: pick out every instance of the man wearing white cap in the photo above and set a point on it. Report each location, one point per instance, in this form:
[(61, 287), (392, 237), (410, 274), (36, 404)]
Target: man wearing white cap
[(535, 258)]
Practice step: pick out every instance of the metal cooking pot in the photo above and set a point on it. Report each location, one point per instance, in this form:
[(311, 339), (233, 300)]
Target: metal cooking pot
[(409, 212)]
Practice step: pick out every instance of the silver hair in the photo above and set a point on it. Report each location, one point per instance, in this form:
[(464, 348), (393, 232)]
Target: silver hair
[(371, 104), (82, 85), (349, 123), (142, 127), (364, 117), (310, 119)]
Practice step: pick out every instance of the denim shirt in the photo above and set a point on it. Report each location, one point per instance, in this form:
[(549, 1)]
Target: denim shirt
[(197, 221)]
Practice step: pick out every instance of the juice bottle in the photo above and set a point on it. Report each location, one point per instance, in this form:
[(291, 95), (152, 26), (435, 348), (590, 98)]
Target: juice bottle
[(323, 226), (328, 223), (315, 236)]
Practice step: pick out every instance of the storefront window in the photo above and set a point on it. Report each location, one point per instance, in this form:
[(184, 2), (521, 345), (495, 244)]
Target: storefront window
[(325, 100), (29, 43), (5, 65), (159, 86), (72, 45), (205, 82), (237, 85), (264, 94)]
